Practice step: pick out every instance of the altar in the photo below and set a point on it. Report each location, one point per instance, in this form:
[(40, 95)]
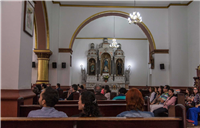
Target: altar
[(105, 66)]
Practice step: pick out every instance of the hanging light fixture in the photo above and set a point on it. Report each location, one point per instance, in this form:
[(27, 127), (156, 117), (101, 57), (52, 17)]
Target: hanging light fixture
[(114, 43), (135, 17)]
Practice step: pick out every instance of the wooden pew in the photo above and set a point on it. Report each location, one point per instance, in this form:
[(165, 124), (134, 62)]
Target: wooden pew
[(98, 122), (98, 101), (107, 110)]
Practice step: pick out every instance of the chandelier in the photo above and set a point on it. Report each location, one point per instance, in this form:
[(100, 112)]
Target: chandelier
[(114, 43), (135, 17)]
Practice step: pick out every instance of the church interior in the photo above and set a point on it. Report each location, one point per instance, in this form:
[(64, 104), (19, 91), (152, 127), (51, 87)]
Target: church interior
[(97, 43)]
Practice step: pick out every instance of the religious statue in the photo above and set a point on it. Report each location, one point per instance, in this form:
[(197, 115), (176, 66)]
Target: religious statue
[(105, 62), (92, 68), (119, 67)]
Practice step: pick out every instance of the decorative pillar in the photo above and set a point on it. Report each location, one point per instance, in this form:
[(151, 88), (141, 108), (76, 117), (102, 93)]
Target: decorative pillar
[(43, 66)]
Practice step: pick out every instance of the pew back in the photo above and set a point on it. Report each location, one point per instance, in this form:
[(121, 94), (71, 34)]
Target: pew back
[(98, 122), (107, 110)]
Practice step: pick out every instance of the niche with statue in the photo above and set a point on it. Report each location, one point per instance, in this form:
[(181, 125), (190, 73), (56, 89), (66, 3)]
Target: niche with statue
[(105, 66)]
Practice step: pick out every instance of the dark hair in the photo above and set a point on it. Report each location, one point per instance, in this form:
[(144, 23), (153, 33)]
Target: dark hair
[(190, 90), (81, 86), (122, 90), (161, 90), (39, 87), (50, 96), (75, 87), (167, 87), (58, 85), (107, 88), (152, 89), (91, 108), (172, 92), (44, 85), (134, 100)]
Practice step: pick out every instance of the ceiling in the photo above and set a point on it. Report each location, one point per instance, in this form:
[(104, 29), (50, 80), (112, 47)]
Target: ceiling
[(146, 3)]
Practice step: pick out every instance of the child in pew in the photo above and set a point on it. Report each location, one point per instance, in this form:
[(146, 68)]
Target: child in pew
[(88, 104), (160, 112), (48, 99), (121, 96), (159, 93), (135, 103)]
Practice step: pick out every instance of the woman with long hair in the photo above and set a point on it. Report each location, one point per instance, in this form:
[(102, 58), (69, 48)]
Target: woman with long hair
[(88, 104), (152, 93), (160, 92), (135, 103), (189, 96), (107, 92), (170, 101)]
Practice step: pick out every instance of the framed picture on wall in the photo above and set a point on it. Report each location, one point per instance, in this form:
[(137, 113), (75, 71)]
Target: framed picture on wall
[(28, 18)]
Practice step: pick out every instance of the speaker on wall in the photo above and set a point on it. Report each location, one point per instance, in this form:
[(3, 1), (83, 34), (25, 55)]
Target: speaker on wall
[(162, 66), (54, 65), (33, 65), (63, 65)]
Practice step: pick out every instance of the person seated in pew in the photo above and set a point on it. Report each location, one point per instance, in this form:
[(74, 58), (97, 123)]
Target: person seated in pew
[(72, 90), (161, 112), (189, 96), (121, 96), (98, 94), (81, 88), (58, 86), (43, 86), (135, 103), (161, 99), (48, 99), (88, 105), (159, 93), (193, 112), (102, 90), (152, 93), (107, 92)]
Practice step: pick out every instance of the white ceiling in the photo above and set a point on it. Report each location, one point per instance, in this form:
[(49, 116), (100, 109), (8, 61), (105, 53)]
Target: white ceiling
[(123, 3)]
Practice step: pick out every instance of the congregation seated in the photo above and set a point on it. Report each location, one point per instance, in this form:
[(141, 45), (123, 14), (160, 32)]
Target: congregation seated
[(121, 96), (159, 93), (161, 99), (73, 89), (189, 96), (193, 112), (98, 94), (160, 112), (88, 105), (58, 87), (107, 92), (102, 90), (48, 99), (43, 86), (135, 103), (81, 88), (152, 93)]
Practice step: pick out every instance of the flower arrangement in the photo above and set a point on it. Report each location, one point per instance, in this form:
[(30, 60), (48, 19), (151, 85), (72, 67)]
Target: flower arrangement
[(106, 78)]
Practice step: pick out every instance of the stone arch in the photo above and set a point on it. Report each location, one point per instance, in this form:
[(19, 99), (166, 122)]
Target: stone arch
[(114, 13)]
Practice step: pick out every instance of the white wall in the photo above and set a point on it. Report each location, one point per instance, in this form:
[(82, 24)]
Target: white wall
[(53, 18), (0, 44), (160, 77), (171, 29), (193, 39), (178, 46), (16, 48), (72, 17)]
